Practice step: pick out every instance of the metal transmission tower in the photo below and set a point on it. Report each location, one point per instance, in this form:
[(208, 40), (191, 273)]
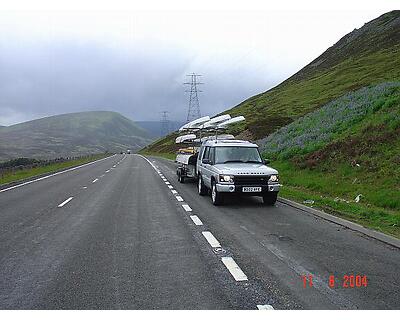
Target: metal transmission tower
[(194, 105), (164, 123)]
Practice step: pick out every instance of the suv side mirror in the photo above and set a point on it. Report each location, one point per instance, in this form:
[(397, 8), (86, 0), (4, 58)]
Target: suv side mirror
[(267, 161), (206, 161)]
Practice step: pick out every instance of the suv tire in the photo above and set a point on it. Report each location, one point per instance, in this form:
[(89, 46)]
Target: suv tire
[(201, 187), (216, 197), (270, 198)]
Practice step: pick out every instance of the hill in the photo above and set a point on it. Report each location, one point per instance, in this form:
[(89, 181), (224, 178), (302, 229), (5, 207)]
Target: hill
[(71, 134), (369, 55)]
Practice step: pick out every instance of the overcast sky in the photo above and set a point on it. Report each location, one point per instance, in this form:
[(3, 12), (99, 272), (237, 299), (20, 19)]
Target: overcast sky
[(133, 58)]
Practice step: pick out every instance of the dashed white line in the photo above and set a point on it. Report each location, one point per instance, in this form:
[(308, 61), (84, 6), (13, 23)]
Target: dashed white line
[(174, 191), (171, 187), (265, 307), (84, 187), (179, 198), (167, 183), (53, 174), (211, 239), (196, 220), (107, 171), (102, 176), (62, 204), (95, 180), (234, 269), (187, 207)]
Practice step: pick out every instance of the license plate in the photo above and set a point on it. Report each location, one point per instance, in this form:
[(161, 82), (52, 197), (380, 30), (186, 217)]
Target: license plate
[(251, 189)]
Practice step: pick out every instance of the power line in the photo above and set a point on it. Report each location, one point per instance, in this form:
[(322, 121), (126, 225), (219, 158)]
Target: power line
[(164, 123), (194, 105)]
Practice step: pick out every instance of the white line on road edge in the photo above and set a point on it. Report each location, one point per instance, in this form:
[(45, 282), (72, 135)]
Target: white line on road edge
[(107, 171), (196, 220), (234, 269), (211, 239), (186, 207), (62, 204), (265, 307), (166, 182), (171, 187), (54, 174), (174, 191), (95, 180), (179, 198)]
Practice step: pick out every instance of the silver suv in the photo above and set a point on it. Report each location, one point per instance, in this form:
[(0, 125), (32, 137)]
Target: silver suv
[(235, 166)]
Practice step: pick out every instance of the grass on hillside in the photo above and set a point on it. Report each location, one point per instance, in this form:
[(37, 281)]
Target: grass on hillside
[(18, 175)]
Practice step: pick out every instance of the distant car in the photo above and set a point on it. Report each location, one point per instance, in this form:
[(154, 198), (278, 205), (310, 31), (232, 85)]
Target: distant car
[(235, 166)]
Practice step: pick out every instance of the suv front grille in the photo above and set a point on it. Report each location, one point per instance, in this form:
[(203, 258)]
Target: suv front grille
[(251, 180)]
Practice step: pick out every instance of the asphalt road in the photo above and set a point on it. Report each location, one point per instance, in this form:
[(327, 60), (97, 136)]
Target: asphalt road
[(122, 233)]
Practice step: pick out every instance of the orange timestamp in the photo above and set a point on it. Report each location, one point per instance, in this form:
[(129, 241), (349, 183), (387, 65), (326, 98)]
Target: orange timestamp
[(347, 281)]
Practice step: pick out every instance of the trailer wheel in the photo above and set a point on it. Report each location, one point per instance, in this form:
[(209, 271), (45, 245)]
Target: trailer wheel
[(181, 178)]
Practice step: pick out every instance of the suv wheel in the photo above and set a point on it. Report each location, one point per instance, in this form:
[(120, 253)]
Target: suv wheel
[(270, 198), (216, 197), (181, 178), (201, 187)]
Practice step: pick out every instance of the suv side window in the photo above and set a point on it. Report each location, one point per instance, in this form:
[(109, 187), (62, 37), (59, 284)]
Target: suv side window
[(212, 155), (206, 153)]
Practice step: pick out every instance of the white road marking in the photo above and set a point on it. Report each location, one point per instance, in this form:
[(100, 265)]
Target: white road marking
[(186, 207), (84, 187), (179, 198), (166, 182), (196, 220), (234, 269), (171, 187), (265, 307), (102, 176), (95, 180), (53, 174), (62, 204), (174, 191), (211, 239), (114, 166), (107, 171)]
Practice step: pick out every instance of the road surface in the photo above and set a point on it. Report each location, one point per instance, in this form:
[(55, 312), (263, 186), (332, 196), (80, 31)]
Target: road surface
[(122, 233)]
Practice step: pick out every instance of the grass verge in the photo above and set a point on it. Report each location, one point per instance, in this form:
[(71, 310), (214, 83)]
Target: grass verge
[(51, 168)]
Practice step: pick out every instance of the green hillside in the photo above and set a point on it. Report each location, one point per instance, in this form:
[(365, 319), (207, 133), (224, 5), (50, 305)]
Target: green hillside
[(348, 147), (71, 134), (369, 55)]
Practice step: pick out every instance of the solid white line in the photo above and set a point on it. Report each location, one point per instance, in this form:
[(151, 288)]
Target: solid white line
[(174, 191), (234, 269), (53, 174), (211, 239), (95, 180), (171, 187), (186, 207), (265, 307), (179, 198), (65, 202), (196, 220)]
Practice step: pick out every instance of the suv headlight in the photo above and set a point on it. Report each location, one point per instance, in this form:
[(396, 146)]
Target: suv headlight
[(273, 178), (225, 178)]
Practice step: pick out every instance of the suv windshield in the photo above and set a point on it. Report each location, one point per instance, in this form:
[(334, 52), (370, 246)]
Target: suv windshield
[(237, 154)]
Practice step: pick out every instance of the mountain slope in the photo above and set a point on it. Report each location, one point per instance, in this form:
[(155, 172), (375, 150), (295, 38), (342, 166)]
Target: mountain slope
[(71, 135), (369, 55)]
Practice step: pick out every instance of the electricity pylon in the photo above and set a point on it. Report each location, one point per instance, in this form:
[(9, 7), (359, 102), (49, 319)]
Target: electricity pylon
[(194, 105)]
